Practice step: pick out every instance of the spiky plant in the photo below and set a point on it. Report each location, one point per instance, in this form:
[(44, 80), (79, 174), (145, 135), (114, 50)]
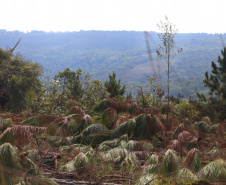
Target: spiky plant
[(116, 154), (119, 106), (207, 120), (84, 122), (179, 129), (214, 170), (148, 179), (146, 145), (80, 162), (65, 127), (8, 157), (158, 143), (174, 145), (192, 160), (33, 154), (130, 161), (125, 128), (170, 163), (5, 123), (119, 120), (17, 135), (142, 127), (76, 147), (95, 129), (108, 117), (95, 134), (153, 159), (185, 175), (130, 145), (102, 105), (29, 166), (203, 126), (184, 137), (151, 169), (75, 110)]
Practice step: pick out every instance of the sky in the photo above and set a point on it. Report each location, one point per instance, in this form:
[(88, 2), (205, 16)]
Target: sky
[(189, 16)]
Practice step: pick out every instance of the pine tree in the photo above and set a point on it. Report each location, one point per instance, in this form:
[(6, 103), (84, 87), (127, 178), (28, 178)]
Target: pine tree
[(114, 87), (216, 81)]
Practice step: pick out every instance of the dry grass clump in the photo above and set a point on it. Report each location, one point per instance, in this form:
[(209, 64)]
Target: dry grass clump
[(192, 160), (20, 135)]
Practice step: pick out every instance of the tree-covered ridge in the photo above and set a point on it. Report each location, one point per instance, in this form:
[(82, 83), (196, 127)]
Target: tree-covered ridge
[(101, 52)]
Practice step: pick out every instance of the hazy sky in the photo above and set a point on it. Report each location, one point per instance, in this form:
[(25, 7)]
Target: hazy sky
[(73, 15)]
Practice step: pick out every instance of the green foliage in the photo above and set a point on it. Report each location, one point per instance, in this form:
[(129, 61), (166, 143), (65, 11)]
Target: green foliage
[(216, 82), (114, 87), (95, 129), (170, 163), (80, 162), (186, 175), (127, 127), (185, 109), (109, 144), (141, 129), (34, 121), (213, 170), (5, 123), (101, 106), (108, 117), (152, 159), (8, 157), (17, 77)]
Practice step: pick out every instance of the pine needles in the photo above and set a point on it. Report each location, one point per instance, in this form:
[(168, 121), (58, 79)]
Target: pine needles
[(213, 170)]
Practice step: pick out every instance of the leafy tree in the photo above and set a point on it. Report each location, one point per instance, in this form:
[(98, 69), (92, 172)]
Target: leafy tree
[(166, 51), (75, 81), (216, 82), (114, 87), (17, 77)]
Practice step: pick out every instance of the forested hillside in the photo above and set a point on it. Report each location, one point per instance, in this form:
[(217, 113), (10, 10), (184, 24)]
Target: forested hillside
[(102, 52)]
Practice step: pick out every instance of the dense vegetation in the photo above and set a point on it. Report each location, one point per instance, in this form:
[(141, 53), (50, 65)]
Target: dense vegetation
[(121, 51), (73, 128)]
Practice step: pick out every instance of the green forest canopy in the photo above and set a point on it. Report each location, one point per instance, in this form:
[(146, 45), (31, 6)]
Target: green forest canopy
[(102, 52)]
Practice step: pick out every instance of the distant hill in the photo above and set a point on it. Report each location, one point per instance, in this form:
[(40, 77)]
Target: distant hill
[(102, 52)]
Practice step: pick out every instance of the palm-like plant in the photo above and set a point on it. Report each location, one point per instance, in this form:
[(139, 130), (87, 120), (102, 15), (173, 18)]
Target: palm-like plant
[(192, 160), (213, 170), (170, 163), (80, 162), (125, 128), (108, 117)]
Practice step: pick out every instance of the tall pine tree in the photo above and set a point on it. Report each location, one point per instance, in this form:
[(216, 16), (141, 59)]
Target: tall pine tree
[(216, 81), (114, 87)]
